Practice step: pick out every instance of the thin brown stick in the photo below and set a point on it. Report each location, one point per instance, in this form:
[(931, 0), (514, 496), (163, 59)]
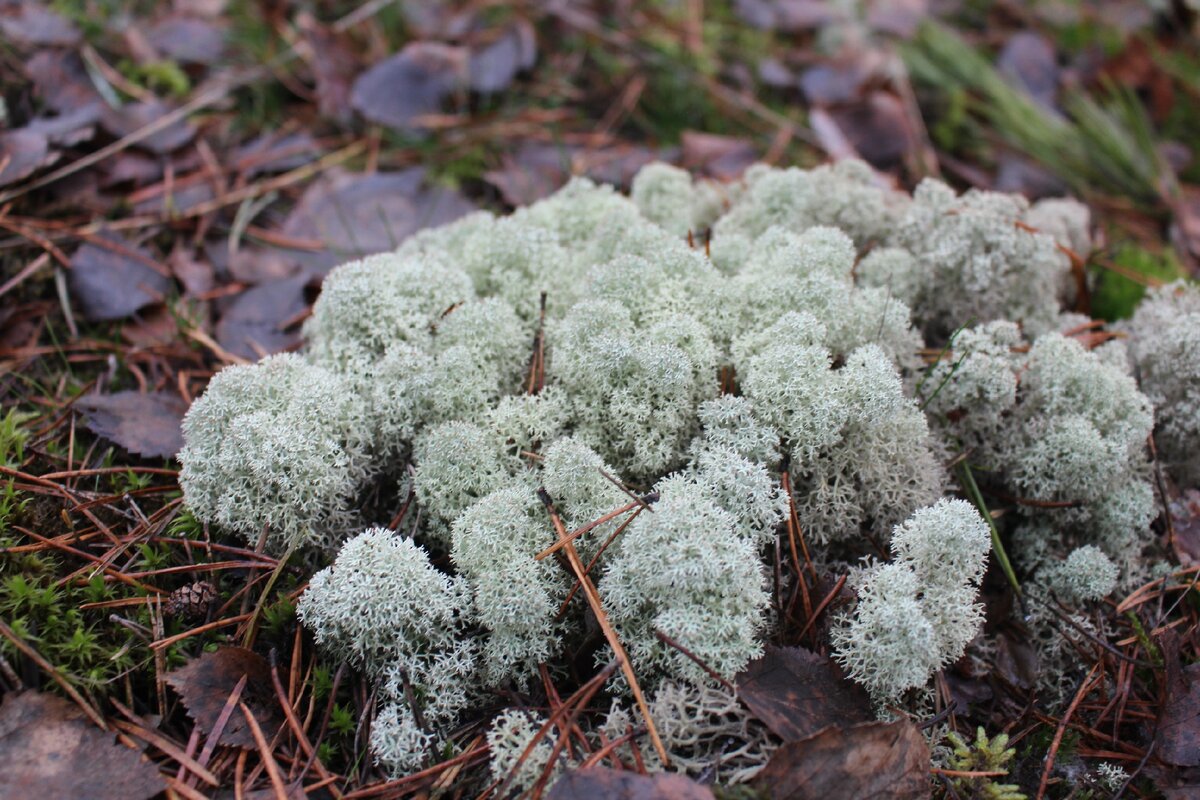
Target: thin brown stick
[(1084, 688), (593, 597), (265, 751)]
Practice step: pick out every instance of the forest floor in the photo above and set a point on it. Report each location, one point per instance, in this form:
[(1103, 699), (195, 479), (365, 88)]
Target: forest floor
[(176, 179)]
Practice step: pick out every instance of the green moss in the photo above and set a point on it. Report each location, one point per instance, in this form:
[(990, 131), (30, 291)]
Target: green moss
[(1115, 295)]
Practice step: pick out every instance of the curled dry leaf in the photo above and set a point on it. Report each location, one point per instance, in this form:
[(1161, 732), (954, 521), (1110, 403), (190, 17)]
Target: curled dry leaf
[(205, 683), (597, 782), (49, 749), (144, 424), (870, 761), (796, 693)]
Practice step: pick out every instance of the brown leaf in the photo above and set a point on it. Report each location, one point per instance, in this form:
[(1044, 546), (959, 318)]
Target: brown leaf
[(872, 760), (409, 84), (21, 152), (205, 683), (114, 282), (1177, 738), (333, 65), (593, 783), (720, 157), (144, 424), (258, 321), (494, 65), (34, 25), (48, 750), (132, 117), (358, 214), (796, 693), (878, 128)]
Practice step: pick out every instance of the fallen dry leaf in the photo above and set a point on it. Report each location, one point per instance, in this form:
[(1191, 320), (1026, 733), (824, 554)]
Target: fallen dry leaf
[(611, 784), (862, 762), (333, 65), (796, 693), (494, 65), (195, 274), (358, 214), (720, 157), (878, 128), (413, 82), (1177, 737), (205, 683), (1184, 509), (35, 25), (1029, 61), (144, 424), (114, 282), (132, 117), (48, 749), (531, 172), (62, 82), (21, 153), (275, 153), (257, 322), (786, 16), (189, 40)]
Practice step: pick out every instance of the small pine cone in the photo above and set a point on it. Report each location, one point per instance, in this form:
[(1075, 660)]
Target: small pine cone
[(191, 601)]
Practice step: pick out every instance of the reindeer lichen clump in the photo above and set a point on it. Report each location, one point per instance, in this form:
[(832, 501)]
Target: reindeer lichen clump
[(677, 405)]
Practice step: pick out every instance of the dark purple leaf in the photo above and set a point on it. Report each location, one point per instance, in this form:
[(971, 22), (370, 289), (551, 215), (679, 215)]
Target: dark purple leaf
[(36, 25), (721, 157), (133, 117), (144, 424), (21, 152), (63, 84), (111, 282), (494, 65), (257, 322), (359, 214), (785, 16), (409, 84), (334, 66), (1028, 59), (274, 153), (878, 128), (532, 172), (188, 39)]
